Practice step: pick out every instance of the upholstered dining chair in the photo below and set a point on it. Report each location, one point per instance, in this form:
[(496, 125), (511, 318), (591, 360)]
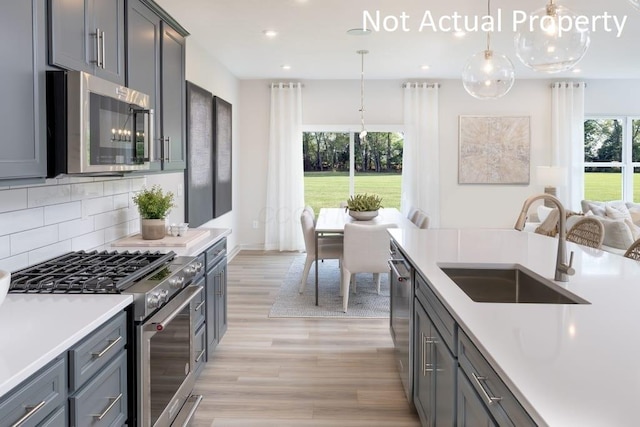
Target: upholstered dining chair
[(366, 250), (634, 251), (411, 213), (587, 231), (421, 219), (327, 249)]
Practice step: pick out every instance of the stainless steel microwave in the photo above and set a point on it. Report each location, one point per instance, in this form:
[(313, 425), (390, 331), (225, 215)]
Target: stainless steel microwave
[(95, 126)]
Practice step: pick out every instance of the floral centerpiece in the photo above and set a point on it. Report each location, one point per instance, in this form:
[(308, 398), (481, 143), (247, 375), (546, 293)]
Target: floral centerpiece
[(364, 207)]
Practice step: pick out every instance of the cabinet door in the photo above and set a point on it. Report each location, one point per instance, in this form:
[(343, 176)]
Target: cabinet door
[(221, 300), (423, 375), (212, 336), (108, 17), (143, 63), (471, 410), (173, 99), (72, 44), (22, 119), (445, 367)]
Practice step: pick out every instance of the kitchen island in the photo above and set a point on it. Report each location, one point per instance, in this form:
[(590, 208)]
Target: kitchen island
[(567, 364)]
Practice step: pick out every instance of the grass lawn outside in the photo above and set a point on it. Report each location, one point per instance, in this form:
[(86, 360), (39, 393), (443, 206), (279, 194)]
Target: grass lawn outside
[(607, 186)]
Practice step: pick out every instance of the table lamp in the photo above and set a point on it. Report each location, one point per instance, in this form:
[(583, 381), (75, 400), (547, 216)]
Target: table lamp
[(551, 177)]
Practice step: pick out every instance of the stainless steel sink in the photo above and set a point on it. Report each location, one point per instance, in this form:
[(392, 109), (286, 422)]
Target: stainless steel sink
[(509, 285)]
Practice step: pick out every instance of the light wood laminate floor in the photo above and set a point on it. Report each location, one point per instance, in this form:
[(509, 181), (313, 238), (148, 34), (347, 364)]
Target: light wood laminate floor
[(297, 372)]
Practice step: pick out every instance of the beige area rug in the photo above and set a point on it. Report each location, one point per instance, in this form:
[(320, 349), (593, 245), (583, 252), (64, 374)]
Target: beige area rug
[(366, 303)]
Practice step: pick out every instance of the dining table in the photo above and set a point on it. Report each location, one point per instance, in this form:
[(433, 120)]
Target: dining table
[(331, 221)]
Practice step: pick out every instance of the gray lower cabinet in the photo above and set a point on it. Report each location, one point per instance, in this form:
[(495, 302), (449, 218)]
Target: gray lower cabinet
[(471, 411), (88, 35), (156, 67), (57, 419), (38, 399), (216, 262), (23, 152)]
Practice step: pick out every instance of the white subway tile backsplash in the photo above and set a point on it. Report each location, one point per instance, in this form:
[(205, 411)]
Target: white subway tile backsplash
[(14, 263), (13, 200), (116, 232), (134, 226), (5, 246), (87, 190), (116, 187), (17, 221), (63, 212), (47, 252), (48, 195), (32, 239), (110, 218), (121, 201), (88, 241), (138, 183), (97, 206), (70, 229)]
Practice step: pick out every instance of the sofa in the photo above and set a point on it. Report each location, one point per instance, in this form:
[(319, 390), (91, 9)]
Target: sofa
[(621, 221)]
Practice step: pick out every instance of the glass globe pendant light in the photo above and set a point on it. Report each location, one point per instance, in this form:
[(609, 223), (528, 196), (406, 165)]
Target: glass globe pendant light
[(363, 131), (488, 74), (548, 46)]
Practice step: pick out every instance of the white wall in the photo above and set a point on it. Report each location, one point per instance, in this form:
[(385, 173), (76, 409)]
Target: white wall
[(336, 102)]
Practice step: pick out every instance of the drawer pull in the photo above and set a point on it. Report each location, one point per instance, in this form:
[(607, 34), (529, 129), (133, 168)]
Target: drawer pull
[(31, 412), (200, 356), (199, 306), (490, 399), (106, 411), (109, 347)]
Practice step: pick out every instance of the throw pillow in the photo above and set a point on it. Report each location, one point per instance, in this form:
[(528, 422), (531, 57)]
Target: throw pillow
[(549, 225), (616, 233), (543, 212), (634, 211), (635, 230), (617, 211), (597, 208)]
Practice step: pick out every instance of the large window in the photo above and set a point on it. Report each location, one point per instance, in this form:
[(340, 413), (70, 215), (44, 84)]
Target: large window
[(612, 158), (338, 164)]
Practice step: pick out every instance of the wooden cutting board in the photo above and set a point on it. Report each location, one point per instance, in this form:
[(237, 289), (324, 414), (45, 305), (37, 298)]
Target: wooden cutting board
[(192, 236)]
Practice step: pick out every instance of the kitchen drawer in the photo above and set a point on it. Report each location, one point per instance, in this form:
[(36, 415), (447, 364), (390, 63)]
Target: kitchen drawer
[(103, 400), (90, 355), (506, 409), (216, 252), (198, 306), (57, 419), (439, 315), (199, 349), (47, 389)]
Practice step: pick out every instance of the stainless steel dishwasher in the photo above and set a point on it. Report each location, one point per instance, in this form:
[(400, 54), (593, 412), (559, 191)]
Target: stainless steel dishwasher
[(400, 281)]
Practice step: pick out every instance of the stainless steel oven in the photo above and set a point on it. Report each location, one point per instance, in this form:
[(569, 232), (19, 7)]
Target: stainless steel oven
[(95, 126), (166, 360)]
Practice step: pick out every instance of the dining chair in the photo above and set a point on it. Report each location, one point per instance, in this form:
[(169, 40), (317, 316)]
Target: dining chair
[(327, 249), (411, 213), (587, 231), (634, 251), (421, 219), (366, 250)]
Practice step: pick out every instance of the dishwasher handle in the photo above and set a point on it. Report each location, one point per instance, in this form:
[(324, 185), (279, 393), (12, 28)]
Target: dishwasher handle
[(401, 277)]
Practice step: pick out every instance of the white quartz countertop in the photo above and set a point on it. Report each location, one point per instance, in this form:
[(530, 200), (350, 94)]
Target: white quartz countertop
[(569, 365), (35, 329), (215, 235)]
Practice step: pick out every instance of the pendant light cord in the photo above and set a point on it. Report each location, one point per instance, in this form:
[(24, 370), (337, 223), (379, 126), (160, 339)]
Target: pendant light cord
[(488, 32), (362, 53)]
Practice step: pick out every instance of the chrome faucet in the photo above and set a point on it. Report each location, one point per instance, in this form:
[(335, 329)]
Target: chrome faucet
[(563, 270)]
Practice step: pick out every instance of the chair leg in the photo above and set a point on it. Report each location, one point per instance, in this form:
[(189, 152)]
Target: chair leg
[(376, 278), (305, 273), (353, 281), (344, 284)]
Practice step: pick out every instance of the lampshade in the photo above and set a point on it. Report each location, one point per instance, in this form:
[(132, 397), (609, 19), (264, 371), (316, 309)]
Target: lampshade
[(488, 75), (549, 47), (551, 176)]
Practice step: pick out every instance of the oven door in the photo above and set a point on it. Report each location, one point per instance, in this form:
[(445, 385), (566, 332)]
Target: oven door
[(165, 362)]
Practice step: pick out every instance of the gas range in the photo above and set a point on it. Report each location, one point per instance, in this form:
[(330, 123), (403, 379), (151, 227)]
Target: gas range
[(153, 278)]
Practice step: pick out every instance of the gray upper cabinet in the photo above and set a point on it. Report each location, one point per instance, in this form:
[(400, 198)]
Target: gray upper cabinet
[(22, 106), (155, 66), (88, 35)]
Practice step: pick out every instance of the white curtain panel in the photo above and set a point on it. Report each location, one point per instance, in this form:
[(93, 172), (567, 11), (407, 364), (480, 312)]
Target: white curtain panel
[(421, 154), (567, 139), (285, 176)]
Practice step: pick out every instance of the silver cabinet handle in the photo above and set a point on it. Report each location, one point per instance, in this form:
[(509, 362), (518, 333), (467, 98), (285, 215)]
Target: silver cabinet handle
[(31, 412), (200, 356), (167, 144), (98, 60), (189, 295), (490, 399), (199, 306), (106, 411), (109, 347), (104, 55), (392, 265)]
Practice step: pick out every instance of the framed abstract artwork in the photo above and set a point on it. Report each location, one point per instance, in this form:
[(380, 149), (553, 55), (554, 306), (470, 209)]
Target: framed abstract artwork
[(494, 150), (221, 157)]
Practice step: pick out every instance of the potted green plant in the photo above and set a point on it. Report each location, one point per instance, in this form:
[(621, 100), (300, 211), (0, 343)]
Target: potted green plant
[(364, 207), (153, 205)]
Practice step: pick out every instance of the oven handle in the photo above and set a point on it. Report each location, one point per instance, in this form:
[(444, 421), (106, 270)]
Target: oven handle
[(189, 294)]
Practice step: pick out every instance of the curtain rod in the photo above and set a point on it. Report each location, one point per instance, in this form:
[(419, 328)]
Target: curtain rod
[(566, 84), (284, 85), (429, 85)]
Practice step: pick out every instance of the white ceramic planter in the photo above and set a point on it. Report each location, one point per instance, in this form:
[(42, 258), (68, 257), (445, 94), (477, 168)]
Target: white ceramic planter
[(363, 215), (152, 229)]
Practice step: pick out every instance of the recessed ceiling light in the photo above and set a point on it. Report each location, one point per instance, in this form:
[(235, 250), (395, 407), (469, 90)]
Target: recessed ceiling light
[(286, 67), (270, 33), (425, 67), (459, 34), (358, 32)]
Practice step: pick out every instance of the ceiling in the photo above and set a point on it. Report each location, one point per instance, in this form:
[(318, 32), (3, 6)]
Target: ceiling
[(312, 37)]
